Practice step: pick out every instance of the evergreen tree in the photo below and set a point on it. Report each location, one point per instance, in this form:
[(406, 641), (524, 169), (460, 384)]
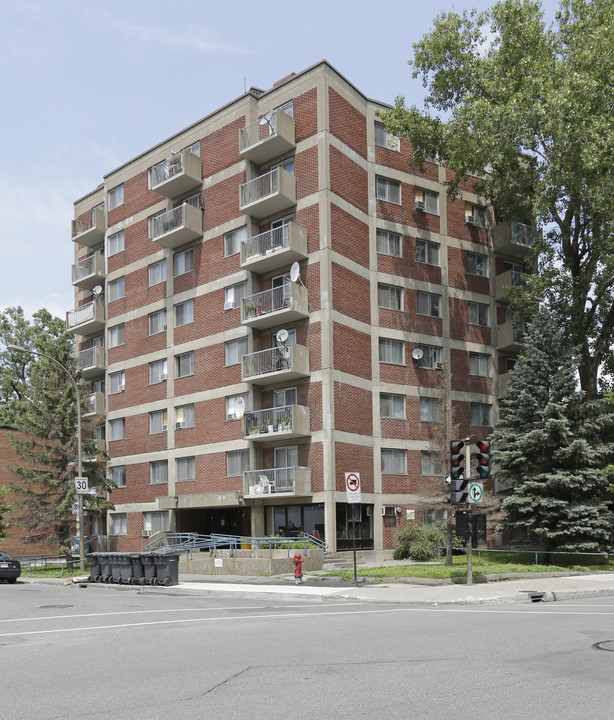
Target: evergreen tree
[(4, 512), (552, 448), (40, 402)]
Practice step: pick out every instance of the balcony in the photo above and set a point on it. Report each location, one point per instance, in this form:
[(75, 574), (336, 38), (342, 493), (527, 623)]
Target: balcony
[(276, 364), (514, 238), (287, 422), (277, 306), (87, 319), (91, 455), (90, 233), (509, 337), (509, 278), (91, 362), (502, 383), (177, 175), (295, 481), (95, 405), (178, 226), (263, 140), (274, 249), (268, 194), (89, 272)]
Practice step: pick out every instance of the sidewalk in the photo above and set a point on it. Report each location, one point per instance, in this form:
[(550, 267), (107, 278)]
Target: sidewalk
[(525, 590)]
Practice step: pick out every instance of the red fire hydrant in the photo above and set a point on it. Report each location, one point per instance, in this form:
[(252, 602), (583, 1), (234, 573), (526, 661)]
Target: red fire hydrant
[(298, 569)]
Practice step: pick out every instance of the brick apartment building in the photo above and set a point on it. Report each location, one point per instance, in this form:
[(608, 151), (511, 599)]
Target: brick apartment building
[(250, 297)]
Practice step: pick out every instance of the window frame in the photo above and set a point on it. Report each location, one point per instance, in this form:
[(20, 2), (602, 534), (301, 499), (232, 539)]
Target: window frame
[(391, 399), (388, 238), (153, 371), (394, 295), (429, 248), (477, 309), (190, 463), (114, 386), (115, 243), (118, 475), (179, 359), (161, 264), (114, 425), (115, 197), (430, 465), (231, 401), (428, 198), (233, 240), (114, 519), (182, 309), (430, 299), (157, 322), (188, 266), (472, 262), (234, 294), (479, 408), (229, 350), (385, 184), (390, 343), (382, 138), (430, 409), (399, 459), (181, 413), (120, 331), (480, 359), (242, 458), (158, 421), (158, 467)]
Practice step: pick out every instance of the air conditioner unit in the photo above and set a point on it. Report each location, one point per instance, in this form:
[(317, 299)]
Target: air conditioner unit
[(162, 377), (146, 533), (121, 388), (471, 220), (419, 205), (229, 305), (179, 424), (438, 366), (388, 510)]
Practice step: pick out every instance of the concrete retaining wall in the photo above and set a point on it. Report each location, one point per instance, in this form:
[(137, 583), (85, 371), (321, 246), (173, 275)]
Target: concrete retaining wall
[(250, 562)]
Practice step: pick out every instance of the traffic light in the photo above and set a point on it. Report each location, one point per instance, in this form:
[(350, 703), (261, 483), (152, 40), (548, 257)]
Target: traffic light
[(482, 469), (458, 483)]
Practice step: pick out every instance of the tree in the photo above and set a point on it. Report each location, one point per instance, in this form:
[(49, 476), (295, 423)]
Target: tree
[(552, 447), (40, 402), (4, 512), (528, 108)]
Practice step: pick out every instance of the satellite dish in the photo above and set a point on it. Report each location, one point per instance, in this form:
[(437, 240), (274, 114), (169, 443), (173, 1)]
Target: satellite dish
[(295, 272), (97, 290), (266, 118), (417, 353), (282, 336), (239, 408)]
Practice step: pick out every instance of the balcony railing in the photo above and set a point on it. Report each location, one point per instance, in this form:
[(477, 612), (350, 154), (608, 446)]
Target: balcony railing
[(89, 272), (515, 238), (91, 362), (266, 139), (86, 319), (278, 305), (90, 232), (268, 194), (510, 278), (274, 248), (269, 481), (177, 226), (268, 366), (177, 175), (509, 336), (95, 404), (289, 421)]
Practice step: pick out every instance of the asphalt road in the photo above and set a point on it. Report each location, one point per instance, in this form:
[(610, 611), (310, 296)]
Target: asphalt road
[(97, 653)]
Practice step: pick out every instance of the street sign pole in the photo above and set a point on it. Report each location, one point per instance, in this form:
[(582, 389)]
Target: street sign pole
[(353, 490), (469, 548)]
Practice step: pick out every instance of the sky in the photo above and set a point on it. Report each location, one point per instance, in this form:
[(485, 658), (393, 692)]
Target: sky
[(86, 86)]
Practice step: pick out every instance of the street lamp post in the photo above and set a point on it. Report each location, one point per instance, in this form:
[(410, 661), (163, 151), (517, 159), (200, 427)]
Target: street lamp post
[(17, 348)]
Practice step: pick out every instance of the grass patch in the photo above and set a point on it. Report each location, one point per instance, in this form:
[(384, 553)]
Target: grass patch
[(53, 571)]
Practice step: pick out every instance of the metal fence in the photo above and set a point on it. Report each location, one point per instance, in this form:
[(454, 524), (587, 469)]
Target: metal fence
[(571, 556)]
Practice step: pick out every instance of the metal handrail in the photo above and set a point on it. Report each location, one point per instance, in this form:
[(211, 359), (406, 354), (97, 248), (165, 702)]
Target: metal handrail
[(276, 239), (479, 551), (167, 169), (262, 420), (260, 187), (266, 361), (266, 301), (189, 542)]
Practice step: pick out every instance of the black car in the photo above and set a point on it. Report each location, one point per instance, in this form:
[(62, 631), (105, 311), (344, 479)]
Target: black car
[(10, 569)]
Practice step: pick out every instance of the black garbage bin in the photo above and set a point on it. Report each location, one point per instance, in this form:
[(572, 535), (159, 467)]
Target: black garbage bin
[(167, 568), (149, 569), (106, 574), (125, 568), (94, 563), (116, 574), (138, 572)]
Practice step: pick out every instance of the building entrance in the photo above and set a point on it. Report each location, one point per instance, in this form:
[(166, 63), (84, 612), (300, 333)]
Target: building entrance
[(205, 521)]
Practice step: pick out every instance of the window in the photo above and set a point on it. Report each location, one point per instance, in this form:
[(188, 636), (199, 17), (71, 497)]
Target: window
[(157, 322), (156, 521), (478, 314), (233, 405), (117, 429), (115, 243), (431, 464), (117, 382), (284, 396), (100, 432), (476, 264), (183, 262), (235, 349), (434, 518), (118, 475), (429, 409), (158, 421), (510, 364), (237, 461), (386, 139), (193, 200), (427, 252), (158, 472), (475, 215), (390, 297), (151, 223), (184, 416), (432, 357), (391, 351), (184, 313), (116, 335), (394, 462), (392, 406), (185, 469), (233, 240), (287, 165), (157, 371), (427, 200), (118, 524), (233, 295), (479, 364), (98, 386), (480, 414), (388, 243), (429, 304), (116, 197), (157, 273), (184, 364), (387, 189), (98, 341)]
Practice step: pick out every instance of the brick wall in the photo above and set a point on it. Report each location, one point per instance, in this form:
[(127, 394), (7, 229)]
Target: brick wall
[(348, 180), (347, 123)]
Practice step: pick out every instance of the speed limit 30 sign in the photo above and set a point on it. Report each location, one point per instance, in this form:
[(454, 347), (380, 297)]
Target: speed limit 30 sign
[(81, 485)]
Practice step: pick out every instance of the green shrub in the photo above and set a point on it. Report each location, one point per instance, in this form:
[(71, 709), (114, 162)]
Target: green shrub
[(419, 542)]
